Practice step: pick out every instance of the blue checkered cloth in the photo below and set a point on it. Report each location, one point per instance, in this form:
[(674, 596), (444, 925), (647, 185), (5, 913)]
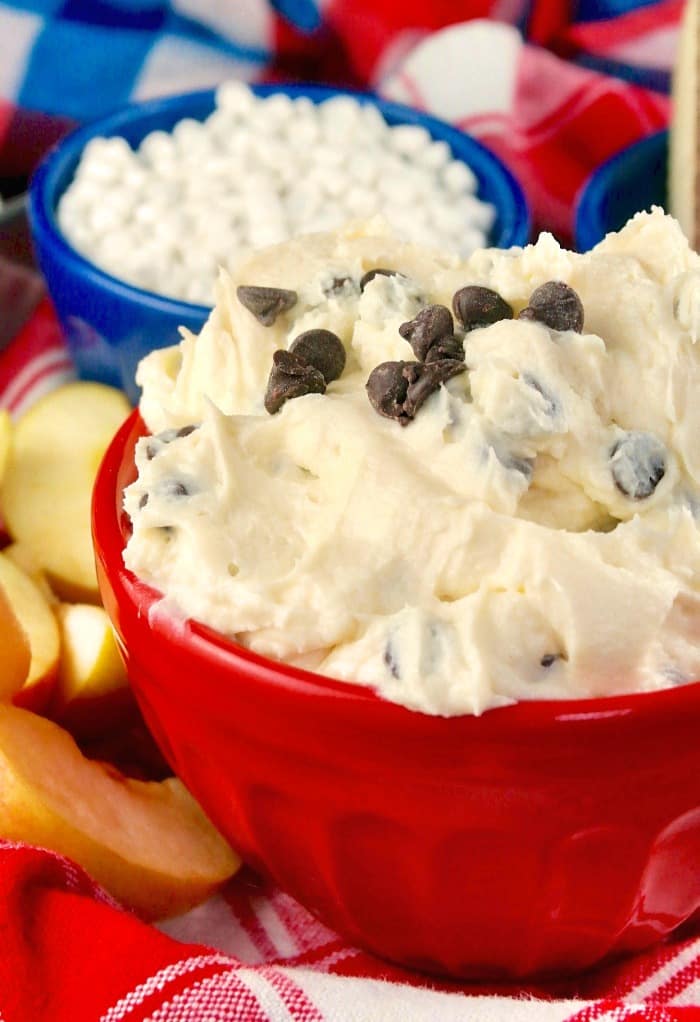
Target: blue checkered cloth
[(81, 58)]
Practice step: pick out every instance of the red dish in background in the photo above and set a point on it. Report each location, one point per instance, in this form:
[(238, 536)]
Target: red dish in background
[(537, 839)]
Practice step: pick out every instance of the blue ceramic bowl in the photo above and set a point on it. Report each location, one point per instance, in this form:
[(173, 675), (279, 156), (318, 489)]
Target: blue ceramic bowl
[(110, 325), (632, 180)]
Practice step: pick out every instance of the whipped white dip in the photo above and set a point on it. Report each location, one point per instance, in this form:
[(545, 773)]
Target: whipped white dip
[(531, 533)]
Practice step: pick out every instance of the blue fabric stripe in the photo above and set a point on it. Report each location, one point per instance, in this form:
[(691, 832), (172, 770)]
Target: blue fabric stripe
[(648, 77), (303, 14), (123, 16), (602, 10), (98, 67), (46, 8)]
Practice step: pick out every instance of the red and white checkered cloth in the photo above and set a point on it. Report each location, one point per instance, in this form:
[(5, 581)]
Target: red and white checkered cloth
[(252, 953)]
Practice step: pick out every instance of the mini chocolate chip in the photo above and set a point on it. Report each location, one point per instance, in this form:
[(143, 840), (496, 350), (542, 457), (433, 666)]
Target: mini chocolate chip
[(391, 660), (446, 348), (321, 349), (556, 305), (476, 306), (398, 389), (430, 325), (266, 303), (551, 409), (426, 379), (143, 501), (337, 285), (550, 658), (290, 378), (379, 271), (166, 437), (174, 488), (638, 464), (387, 387), (525, 466)]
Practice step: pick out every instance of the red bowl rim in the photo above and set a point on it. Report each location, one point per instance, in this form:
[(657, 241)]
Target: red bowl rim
[(109, 542)]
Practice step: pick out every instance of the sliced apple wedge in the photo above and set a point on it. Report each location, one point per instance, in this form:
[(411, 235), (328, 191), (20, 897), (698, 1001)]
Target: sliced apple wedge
[(24, 559), (147, 842), (39, 624), (56, 450), (15, 654), (5, 440), (91, 695)]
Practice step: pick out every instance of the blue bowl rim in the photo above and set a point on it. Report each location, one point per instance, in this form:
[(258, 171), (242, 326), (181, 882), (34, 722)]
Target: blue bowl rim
[(42, 201), (588, 220)]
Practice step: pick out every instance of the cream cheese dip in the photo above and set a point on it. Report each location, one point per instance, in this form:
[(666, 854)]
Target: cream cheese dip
[(462, 483)]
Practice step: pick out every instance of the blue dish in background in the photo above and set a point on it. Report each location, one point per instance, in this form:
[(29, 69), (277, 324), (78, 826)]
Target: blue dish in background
[(632, 180), (110, 325)]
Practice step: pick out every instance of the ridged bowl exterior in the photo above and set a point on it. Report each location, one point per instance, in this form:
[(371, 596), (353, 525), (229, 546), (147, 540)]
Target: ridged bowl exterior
[(536, 839)]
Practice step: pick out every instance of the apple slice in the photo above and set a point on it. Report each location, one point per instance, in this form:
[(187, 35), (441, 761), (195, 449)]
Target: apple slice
[(15, 654), (5, 440), (147, 842), (22, 557), (39, 624), (56, 449), (92, 694)]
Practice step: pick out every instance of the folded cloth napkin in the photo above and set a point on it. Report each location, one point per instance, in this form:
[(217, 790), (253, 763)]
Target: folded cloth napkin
[(251, 952)]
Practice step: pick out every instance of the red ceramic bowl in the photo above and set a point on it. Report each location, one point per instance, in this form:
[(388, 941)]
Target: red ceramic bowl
[(538, 838)]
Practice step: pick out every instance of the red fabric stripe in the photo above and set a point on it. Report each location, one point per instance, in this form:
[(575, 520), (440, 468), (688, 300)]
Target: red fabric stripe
[(55, 368), (65, 956), (239, 902), (677, 983), (39, 335), (603, 36), (293, 997)]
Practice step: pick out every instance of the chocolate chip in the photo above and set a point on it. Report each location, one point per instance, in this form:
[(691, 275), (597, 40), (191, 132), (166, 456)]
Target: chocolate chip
[(430, 325), (387, 387), (290, 378), (391, 660), (266, 303), (446, 348), (159, 441), (379, 271), (525, 466), (476, 306), (143, 501), (550, 658), (426, 379), (398, 389), (638, 464), (556, 305), (174, 488), (337, 285), (551, 405), (321, 349)]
